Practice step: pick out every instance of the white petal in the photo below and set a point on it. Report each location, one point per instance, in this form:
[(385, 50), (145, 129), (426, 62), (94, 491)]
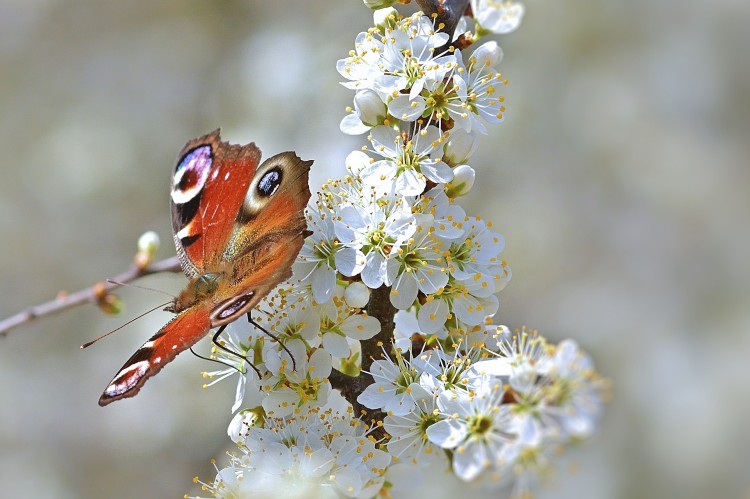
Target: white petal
[(404, 291), (361, 327), (447, 433), (432, 316), (406, 109), (352, 125), (336, 345), (323, 283)]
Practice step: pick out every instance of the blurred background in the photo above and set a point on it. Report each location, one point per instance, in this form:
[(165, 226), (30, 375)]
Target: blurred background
[(620, 180)]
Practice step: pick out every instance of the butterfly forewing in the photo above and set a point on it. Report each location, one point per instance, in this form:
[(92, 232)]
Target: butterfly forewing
[(208, 187)]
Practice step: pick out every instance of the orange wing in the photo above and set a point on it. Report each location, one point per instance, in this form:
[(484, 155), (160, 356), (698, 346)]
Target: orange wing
[(209, 184)]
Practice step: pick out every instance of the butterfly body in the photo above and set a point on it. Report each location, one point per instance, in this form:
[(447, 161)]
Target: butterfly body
[(238, 227)]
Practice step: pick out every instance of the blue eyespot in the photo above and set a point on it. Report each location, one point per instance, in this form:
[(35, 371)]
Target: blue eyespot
[(269, 182)]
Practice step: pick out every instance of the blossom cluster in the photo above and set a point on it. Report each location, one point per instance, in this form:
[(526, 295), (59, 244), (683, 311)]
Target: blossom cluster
[(500, 408), (317, 452), (452, 388)]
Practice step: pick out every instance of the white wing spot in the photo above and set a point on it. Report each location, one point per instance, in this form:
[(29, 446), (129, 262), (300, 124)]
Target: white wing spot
[(174, 347), (226, 177)]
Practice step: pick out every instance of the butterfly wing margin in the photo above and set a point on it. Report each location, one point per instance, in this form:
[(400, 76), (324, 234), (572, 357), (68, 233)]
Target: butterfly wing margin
[(176, 336), (208, 187)]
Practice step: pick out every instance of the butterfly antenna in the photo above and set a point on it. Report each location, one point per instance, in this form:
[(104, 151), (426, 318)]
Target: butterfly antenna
[(118, 283), (251, 321), (89, 343)]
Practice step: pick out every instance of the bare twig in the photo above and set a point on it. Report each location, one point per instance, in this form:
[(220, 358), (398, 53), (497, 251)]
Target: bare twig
[(93, 294)]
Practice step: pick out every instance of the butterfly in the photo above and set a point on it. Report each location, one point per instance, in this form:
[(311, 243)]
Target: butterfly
[(238, 227)]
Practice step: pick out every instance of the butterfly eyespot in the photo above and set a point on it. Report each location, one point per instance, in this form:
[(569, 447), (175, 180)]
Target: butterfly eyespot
[(231, 309), (269, 183), (191, 174)]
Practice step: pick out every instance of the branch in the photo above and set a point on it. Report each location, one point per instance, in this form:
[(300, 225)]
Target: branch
[(381, 308), (94, 294), (446, 12)]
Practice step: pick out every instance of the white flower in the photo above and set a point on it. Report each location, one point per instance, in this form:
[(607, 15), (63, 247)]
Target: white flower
[(476, 251), (322, 255), (409, 433), (407, 164), (359, 469), (409, 59), (459, 147), (339, 324), (484, 102), (242, 422), (375, 230), (417, 266), (396, 387), (292, 389), (497, 16), (469, 300), (463, 181), (477, 427), (439, 100), (448, 218), (574, 395), (361, 67)]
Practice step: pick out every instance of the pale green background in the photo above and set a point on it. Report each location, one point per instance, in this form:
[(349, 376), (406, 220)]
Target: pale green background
[(620, 181)]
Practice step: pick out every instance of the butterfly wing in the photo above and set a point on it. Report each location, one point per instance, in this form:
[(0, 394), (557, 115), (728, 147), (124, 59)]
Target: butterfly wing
[(269, 232), (208, 188), (179, 334)]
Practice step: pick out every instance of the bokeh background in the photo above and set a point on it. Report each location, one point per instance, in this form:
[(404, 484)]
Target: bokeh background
[(620, 180)]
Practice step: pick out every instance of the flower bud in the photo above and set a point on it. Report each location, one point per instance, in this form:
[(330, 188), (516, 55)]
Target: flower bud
[(459, 148), (357, 295), (357, 161), (111, 304), (370, 108), (242, 422), (463, 181), (148, 245), (378, 4), (383, 18), (487, 54)]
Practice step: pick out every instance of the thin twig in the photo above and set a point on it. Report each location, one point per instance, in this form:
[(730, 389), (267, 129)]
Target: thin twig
[(66, 301)]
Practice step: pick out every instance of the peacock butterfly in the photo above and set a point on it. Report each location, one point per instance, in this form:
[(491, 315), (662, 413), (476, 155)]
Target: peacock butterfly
[(238, 228)]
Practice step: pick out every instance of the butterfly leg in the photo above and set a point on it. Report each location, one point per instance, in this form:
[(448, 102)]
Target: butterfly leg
[(251, 321), (215, 341)]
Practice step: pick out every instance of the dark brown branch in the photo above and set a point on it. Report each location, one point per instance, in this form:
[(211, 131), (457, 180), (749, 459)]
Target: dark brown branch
[(93, 294), (447, 13), (381, 308)]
